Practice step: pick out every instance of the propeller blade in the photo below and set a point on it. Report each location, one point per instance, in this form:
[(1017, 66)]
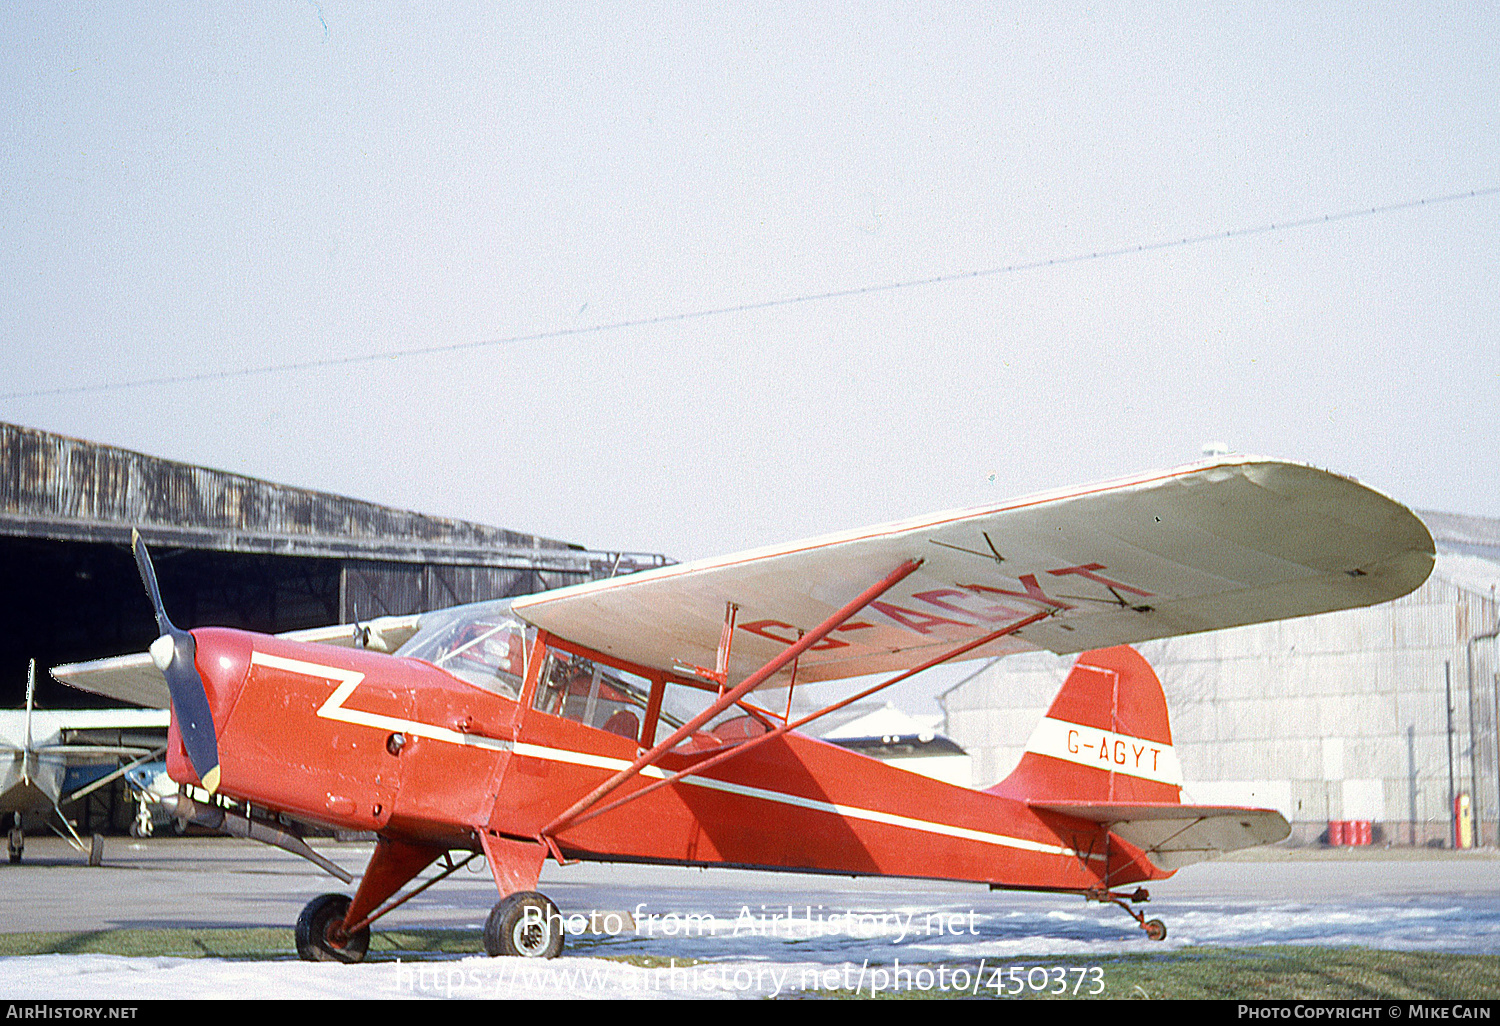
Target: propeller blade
[(174, 654), (148, 578)]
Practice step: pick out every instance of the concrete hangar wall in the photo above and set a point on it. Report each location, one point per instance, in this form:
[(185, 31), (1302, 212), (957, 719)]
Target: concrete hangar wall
[(1342, 716), (230, 550)]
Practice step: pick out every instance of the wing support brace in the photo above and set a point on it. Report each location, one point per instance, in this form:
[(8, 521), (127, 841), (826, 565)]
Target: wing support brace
[(732, 696), (720, 673), (450, 867), (771, 735)]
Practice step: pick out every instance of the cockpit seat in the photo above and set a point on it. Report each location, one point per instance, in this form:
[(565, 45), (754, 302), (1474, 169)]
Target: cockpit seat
[(624, 723)]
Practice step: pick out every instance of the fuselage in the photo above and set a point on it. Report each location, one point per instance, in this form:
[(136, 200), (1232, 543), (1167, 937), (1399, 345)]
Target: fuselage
[(504, 733)]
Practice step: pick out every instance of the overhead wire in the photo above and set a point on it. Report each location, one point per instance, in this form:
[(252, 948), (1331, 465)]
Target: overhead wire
[(750, 307)]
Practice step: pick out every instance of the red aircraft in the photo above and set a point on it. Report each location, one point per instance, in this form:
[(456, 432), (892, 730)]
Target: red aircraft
[(650, 718)]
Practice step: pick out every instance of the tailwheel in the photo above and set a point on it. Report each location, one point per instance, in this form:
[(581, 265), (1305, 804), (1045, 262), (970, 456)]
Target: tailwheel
[(1155, 929), (320, 935), (525, 924)]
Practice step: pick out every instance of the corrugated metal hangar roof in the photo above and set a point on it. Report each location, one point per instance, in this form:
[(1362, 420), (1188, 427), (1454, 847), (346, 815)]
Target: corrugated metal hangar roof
[(71, 490)]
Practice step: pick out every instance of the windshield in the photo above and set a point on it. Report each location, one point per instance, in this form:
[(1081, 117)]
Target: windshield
[(481, 643)]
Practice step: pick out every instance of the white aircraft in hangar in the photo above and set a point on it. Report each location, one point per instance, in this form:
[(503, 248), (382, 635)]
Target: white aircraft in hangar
[(44, 752)]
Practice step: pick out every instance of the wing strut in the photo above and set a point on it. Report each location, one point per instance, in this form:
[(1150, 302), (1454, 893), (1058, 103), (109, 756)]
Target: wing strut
[(740, 749), (732, 696)]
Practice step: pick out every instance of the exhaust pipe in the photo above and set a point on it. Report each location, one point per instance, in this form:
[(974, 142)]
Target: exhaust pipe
[(181, 807)]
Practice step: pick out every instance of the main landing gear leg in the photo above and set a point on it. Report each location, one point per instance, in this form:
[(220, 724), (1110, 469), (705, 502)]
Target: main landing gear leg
[(1155, 929), (332, 928), (522, 922)]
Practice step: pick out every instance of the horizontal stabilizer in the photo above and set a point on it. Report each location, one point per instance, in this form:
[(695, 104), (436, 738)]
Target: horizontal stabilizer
[(1172, 835)]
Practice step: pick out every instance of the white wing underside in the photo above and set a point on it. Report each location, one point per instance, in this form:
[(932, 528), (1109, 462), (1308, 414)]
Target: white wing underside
[(1213, 545)]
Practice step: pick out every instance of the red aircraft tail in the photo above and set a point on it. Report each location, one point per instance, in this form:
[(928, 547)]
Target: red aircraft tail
[(1105, 739), (1104, 753)]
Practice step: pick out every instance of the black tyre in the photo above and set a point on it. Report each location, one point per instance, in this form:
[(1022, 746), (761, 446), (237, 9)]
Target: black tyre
[(317, 940), (1156, 930), (526, 924)]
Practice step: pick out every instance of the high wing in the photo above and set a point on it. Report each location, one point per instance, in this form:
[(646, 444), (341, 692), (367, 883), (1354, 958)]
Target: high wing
[(1217, 544), (135, 679), (1173, 836)]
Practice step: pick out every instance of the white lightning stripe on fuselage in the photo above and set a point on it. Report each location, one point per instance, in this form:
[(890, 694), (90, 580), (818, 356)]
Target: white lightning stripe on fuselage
[(348, 680), (1105, 750), (333, 708), (781, 797)]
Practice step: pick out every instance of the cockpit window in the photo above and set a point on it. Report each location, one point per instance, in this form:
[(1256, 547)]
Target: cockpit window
[(682, 702), (482, 644), (593, 694)]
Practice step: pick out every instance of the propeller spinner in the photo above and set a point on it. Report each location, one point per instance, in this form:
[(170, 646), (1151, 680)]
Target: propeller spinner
[(174, 653)]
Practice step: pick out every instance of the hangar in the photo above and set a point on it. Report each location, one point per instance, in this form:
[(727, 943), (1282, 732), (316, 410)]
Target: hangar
[(234, 551), (1384, 715)]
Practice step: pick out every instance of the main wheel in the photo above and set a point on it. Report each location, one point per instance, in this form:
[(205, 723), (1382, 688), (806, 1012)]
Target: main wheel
[(1156, 930), (525, 924), (317, 939)]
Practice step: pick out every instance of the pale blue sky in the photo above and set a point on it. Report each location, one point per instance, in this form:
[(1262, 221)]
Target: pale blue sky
[(193, 189)]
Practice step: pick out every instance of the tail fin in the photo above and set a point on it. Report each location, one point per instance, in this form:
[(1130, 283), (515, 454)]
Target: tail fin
[(1105, 739)]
